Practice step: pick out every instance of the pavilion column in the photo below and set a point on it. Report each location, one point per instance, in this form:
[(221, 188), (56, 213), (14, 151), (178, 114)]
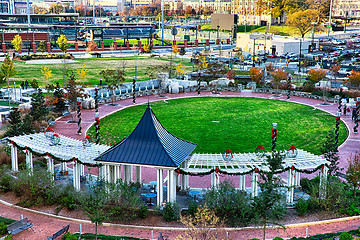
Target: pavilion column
[(112, 174), (290, 191), (159, 186), (242, 183), (212, 179), (184, 179), (117, 172), (171, 190), (50, 165), (128, 173), (101, 171), (14, 158), (254, 184), (82, 169), (323, 182), (76, 175), (138, 174), (29, 160), (106, 173)]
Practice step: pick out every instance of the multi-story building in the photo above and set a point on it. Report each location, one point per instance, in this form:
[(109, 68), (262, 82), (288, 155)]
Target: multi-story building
[(247, 12), (14, 6), (216, 6), (346, 9)]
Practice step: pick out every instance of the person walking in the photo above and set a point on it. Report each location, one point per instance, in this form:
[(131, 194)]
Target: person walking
[(26, 84), (22, 85)]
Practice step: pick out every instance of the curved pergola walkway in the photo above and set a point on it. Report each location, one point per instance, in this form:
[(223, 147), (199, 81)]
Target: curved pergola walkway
[(46, 225)]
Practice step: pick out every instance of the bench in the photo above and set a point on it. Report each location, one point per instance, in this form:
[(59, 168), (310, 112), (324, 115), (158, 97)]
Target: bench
[(19, 226), (59, 233), (65, 112)]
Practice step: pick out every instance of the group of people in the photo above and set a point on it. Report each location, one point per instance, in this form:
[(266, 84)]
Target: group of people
[(24, 85)]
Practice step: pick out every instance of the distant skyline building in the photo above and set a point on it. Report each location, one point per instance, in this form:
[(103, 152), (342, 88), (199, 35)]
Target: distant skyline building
[(247, 12)]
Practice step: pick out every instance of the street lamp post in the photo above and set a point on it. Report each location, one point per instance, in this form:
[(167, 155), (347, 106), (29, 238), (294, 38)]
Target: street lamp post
[(313, 36), (218, 28), (253, 63), (330, 12), (162, 23)]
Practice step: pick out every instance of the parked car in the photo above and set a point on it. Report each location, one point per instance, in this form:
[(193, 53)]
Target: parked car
[(272, 56)]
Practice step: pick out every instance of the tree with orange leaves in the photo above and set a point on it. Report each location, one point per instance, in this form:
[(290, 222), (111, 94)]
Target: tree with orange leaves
[(354, 79), (335, 70), (278, 75), (316, 75), (256, 74)]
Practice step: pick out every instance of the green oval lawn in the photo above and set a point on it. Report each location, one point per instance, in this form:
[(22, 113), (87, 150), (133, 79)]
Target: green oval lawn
[(239, 124)]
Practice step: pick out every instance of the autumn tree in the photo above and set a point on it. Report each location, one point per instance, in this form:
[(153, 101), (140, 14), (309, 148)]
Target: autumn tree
[(62, 43), (18, 43), (6, 72), (42, 46), (330, 152), (354, 79), (302, 20), (353, 172), (335, 69), (56, 8), (82, 72), (47, 73), (114, 78), (256, 74), (278, 75), (323, 6), (316, 75), (204, 225)]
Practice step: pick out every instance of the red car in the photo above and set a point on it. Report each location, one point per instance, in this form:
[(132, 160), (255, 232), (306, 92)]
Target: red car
[(272, 56)]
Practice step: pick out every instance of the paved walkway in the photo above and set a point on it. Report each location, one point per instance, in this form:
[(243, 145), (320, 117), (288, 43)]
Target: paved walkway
[(46, 225)]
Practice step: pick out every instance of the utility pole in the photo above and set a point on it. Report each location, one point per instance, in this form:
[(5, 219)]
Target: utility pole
[(331, 3)]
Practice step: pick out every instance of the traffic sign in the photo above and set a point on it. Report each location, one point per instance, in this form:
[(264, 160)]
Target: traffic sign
[(174, 31)]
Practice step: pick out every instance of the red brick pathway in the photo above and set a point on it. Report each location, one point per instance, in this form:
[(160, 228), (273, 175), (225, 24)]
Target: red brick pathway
[(46, 225)]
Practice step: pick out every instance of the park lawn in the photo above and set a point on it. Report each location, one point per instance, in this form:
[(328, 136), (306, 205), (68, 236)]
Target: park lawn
[(278, 30), (94, 66), (239, 124)]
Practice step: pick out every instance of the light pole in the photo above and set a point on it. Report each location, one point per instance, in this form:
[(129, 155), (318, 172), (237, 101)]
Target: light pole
[(253, 63), (218, 28), (162, 23), (331, 4), (313, 36)]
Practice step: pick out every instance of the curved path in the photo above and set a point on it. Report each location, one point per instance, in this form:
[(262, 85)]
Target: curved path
[(45, 225)]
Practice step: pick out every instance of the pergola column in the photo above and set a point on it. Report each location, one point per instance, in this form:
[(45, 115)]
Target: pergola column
[(242, 183), (82, 169), (159, 186), (106, 173), (184, 179), (297, 178), (63, 167), (112, 174), (323, 181), (29, 160), (76, 175), (50, 165), (171, 190), (254, 184), (128, 173), (291, 183), (101, 171), (14, 158), (138, 174)]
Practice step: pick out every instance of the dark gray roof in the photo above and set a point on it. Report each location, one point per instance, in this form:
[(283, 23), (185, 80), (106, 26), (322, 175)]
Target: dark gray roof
[(149, 144)]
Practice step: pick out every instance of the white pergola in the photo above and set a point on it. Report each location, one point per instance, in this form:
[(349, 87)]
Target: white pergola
[(247, 162), (67, 149)]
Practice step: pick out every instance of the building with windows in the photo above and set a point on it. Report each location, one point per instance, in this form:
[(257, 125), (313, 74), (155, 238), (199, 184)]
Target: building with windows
[(346, 9), (216, 6), (248, 13), (14, 6)]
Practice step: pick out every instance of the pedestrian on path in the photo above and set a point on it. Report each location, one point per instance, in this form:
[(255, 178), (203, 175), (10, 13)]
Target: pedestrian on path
[(353, 114), (345, 110), (26, 84), (22, 85)]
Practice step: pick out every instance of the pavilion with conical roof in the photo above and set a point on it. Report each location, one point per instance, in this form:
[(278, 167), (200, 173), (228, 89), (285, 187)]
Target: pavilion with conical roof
[(150, 144)]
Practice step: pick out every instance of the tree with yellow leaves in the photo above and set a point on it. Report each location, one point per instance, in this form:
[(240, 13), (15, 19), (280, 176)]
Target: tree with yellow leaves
[(47, 73), (180, 69), (303, 20), (205, 225), (316, 75), (202, 63), (82, 72), (18, 43), (175, 49)]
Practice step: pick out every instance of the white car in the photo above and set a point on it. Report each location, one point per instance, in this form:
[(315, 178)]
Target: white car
[(344, 71)]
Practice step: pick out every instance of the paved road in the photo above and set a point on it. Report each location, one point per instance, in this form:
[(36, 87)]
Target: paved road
[(46, 225)]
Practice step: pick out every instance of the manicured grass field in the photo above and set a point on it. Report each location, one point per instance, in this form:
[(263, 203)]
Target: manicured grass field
[(94, 66), (239, 124)]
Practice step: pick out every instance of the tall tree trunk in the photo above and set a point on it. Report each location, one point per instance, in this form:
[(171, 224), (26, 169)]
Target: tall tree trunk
[(264, 229), (96, 226)]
